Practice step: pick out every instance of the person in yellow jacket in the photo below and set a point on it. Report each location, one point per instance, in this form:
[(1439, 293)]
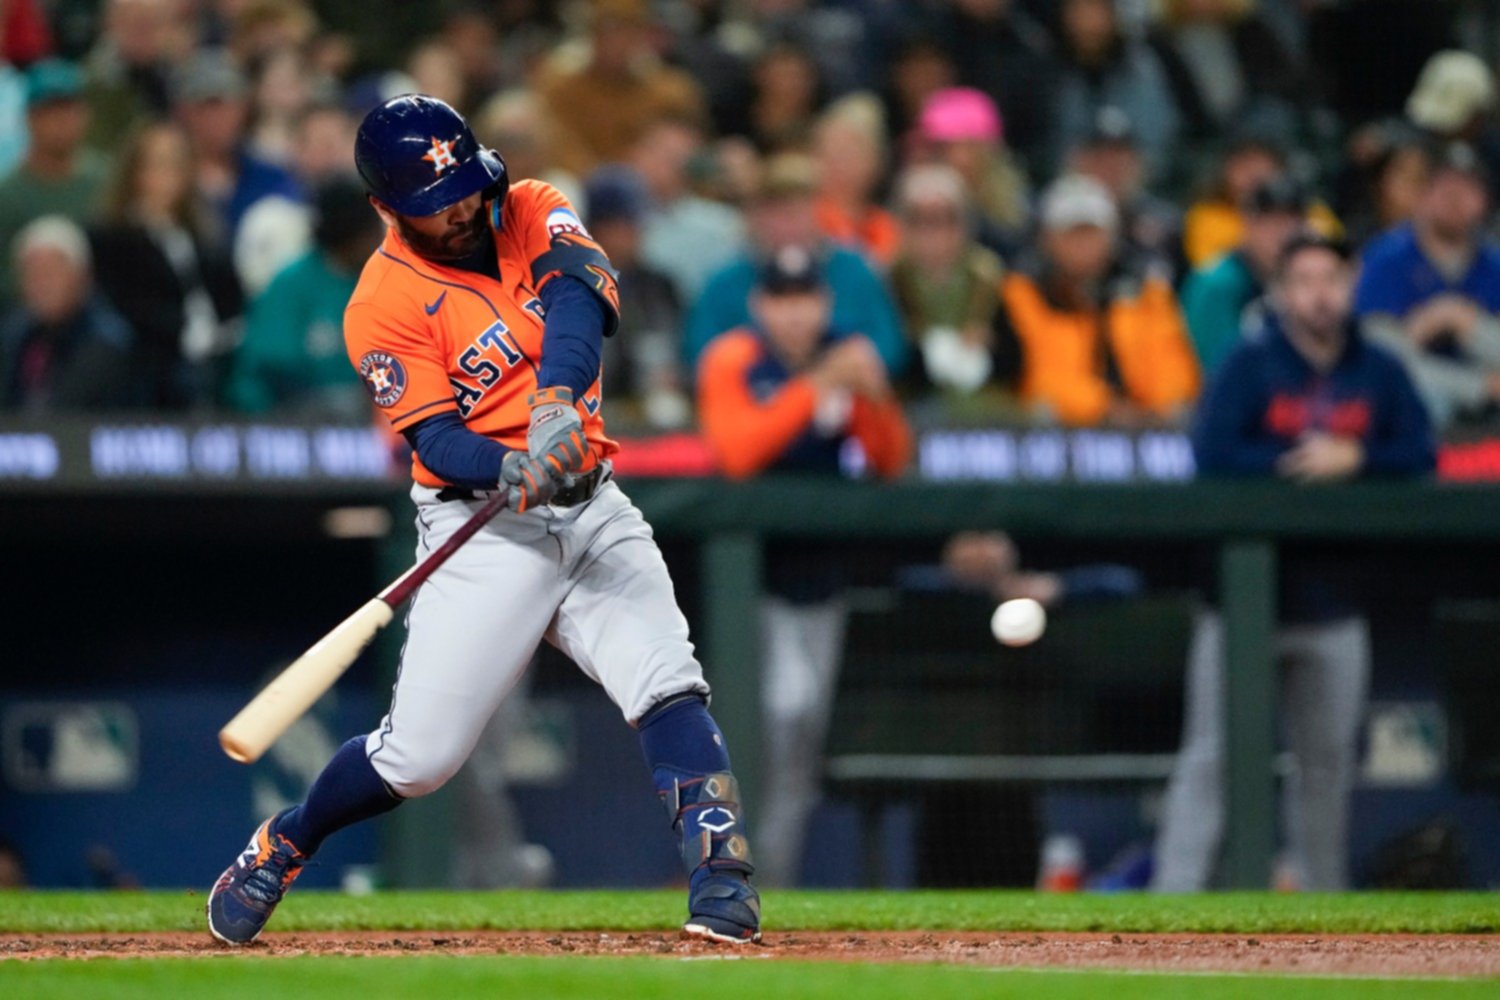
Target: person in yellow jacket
[(1100, 345)]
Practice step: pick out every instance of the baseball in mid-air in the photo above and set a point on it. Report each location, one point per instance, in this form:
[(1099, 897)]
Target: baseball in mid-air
[(1019, 622)]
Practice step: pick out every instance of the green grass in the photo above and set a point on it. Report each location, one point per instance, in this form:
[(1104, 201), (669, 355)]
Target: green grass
[(1246, 913), (640, 979)]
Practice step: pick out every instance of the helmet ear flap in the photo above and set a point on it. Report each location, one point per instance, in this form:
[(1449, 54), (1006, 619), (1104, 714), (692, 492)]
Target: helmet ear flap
[(496, 192)]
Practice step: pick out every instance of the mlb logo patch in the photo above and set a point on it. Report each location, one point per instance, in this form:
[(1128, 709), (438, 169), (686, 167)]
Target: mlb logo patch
[(561, 221), (385, 377)]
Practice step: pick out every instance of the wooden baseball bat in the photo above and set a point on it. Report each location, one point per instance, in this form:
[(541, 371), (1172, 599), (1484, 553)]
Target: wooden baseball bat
[(293, 691)]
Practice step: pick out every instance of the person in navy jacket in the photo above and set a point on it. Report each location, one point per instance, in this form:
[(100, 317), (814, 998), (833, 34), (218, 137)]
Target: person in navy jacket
[(1307, 400)]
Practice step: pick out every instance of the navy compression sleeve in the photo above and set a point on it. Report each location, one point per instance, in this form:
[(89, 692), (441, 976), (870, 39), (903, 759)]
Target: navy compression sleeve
[(456, 454), (573, 336)]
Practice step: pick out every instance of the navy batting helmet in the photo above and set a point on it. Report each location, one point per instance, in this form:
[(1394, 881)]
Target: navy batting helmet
[(417, 155)]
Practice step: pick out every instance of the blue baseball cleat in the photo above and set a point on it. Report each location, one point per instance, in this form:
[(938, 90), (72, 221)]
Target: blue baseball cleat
[(724, 907), (247, 893)]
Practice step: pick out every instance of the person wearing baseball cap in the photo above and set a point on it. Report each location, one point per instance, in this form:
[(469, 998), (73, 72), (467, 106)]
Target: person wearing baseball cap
[(962, 127), (1430, 290), (1215, 297), (59, 175), (1150, 227), (783, 214), (789, 393), (1101, 343)]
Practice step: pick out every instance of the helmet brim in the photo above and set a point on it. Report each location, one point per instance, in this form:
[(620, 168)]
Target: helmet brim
[(482, 171)]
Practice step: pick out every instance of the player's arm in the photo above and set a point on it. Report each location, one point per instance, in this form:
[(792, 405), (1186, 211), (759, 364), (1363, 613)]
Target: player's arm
[(883, 433), (576, 284), (747, 434)]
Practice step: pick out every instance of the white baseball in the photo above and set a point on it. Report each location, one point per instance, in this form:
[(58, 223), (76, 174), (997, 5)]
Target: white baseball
[(1019, 623)]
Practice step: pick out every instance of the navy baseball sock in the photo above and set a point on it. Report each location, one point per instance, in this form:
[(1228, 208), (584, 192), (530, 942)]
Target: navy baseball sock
[(346, 792), (680, 734)]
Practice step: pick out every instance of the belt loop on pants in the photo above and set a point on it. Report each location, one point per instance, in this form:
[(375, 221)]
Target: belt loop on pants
[(583, 489)]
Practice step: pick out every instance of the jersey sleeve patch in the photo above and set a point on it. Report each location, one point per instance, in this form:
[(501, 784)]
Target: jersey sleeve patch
[(384, 376), (587, 263)]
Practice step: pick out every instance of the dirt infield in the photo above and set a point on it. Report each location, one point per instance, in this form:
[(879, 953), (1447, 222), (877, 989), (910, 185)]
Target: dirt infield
[(1349, 955)]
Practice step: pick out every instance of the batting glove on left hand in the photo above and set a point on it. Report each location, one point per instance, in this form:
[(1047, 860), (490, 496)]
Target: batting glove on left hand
[(527, 481), (555, 436)]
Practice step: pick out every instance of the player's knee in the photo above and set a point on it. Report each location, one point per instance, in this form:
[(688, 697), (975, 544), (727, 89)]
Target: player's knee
[(411, 775)]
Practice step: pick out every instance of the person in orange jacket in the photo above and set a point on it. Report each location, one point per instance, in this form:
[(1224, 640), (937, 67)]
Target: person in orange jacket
[(1100, 343), (789, 394)]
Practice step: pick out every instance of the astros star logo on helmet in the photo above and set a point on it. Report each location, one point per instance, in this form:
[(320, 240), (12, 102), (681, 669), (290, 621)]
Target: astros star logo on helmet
[(441, 155)]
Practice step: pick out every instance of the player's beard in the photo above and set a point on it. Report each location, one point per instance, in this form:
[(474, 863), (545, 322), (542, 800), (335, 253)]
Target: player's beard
[(460, 241)]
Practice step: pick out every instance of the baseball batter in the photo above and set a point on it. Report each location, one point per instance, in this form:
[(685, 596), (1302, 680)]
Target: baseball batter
[(477, 326)]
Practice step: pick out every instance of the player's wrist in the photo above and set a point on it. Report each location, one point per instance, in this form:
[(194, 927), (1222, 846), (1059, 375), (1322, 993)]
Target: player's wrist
[(553, 394)]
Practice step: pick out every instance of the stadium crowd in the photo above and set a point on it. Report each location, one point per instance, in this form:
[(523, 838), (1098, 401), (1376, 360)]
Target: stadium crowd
[(1033, 210)]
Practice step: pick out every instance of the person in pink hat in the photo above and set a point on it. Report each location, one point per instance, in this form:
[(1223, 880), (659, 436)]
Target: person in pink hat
[(961, 126)]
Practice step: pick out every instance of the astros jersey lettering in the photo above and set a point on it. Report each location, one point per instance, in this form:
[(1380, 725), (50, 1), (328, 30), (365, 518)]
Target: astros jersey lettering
[(429, 339)]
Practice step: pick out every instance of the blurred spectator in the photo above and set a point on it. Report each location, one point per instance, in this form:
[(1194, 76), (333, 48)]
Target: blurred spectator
[(1430, 291), (834, 35), (685, 236), (783, 216), (261, 29), (282, 89), (292, 357), (1003, 51), (1104, 68), (469, 33), (13, 138), (25, 36), (515, 124), (177, 292), (1150, 227), (948, 288), (322, 143), (1214, 226), (786, 393), (960, 127), (1227, 67), (129, 69), (278, 229), (988, 562), (1308, 400), (642, 365), (1222, 299), (62, 347), (1101, 342), (435, 71), (851, 149), (58, 176), (211, 99), (602, 107), (1454, 96), (1386, 173), (920, 68), (785, 93)]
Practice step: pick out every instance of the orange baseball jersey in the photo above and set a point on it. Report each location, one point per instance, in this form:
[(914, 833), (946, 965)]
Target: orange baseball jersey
[(755, 413), (429, 339)]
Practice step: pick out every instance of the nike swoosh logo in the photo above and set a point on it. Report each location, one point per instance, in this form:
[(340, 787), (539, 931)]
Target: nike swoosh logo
[(432, 309)]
